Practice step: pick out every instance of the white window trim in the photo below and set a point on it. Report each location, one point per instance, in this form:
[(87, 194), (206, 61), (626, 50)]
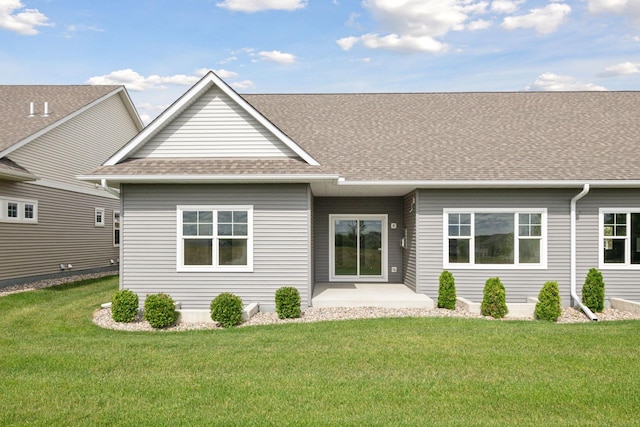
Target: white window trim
[(95, 217), (119, 228), (4, 203), (180, 267), (385, 252), (627, 246), (471, 265)]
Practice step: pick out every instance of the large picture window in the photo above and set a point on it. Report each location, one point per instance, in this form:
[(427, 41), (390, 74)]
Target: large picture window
[(619, 238), (504, 238), (212, 238)]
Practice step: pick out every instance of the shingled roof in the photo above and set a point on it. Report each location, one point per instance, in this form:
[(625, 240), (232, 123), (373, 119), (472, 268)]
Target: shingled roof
[(464, 136), (16, 124)]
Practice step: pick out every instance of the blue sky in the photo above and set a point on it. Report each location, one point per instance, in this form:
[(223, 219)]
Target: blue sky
[(159, 48)]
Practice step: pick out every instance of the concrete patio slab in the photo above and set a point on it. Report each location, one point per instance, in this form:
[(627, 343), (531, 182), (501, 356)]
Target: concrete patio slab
[(387, 295)]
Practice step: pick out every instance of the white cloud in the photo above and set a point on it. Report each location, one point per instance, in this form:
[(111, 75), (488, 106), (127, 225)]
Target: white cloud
[(72, 30), (505, 6), (243, 85), (136, 82), (278, 57), (628, 8), (251, 6), (479, 24), (24, 22), (551, 82), (622, 69), (544, 21), (415, 25)]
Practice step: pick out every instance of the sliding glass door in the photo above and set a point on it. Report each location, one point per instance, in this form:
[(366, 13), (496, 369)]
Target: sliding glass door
[(358, 246)]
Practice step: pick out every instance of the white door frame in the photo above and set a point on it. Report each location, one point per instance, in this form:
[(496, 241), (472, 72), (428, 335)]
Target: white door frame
[(385, 252)]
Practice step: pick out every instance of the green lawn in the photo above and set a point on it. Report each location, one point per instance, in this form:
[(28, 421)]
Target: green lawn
[(58, 368)]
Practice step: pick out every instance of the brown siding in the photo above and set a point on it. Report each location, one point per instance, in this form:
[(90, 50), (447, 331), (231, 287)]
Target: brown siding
[(65, 233)]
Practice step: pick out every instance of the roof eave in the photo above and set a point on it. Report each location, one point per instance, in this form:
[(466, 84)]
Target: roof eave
[(208, 179), (461, 184)]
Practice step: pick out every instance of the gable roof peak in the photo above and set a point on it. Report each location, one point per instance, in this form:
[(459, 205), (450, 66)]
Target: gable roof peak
[(208, 81)]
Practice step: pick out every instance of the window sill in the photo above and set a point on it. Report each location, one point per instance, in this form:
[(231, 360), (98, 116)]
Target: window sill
[(240, 269), (494, 267)]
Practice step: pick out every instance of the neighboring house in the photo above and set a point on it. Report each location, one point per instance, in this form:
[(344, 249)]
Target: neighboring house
[(51, 224), (245, 194)]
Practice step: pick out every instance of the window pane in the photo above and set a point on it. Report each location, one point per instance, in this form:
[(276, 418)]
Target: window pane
[(232, 252), (225, 216), (240, 229), (189, 216), (459, 251), (346, 247), (198, 252), (454, 230), (614, 251), (205, 230), (465, 230), (225, 230), (205, 216), (536, 230), (240, 216), (621, 230), (494, 238), (608, 230), (523, 230), (189, 230), (116, 237), (28, 211), (529, 251), (621, 218)]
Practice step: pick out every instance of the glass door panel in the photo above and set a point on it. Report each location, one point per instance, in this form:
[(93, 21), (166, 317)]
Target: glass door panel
[(346, 248), (370, 248)]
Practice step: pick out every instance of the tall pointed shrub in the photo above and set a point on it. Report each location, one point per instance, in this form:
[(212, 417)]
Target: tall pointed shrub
[(593, 290), (494, 302), (548, 306), (447, 291)]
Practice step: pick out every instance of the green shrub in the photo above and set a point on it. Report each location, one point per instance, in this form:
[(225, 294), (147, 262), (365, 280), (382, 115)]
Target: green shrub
[(447, 291), (593, 291), (288, 303), (548, 306), (226, 309), (494, 302), (160, 310), (124, 306)]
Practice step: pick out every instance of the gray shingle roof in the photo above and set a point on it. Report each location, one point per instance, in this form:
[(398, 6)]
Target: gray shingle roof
[(465, 136), (15, 123)]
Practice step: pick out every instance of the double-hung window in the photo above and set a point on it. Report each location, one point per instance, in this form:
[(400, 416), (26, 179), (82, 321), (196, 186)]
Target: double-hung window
[(619, 238), (215, 238), (486, 238)]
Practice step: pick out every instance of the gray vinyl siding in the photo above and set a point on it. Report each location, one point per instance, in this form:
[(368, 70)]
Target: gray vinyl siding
[(324, 206), (519, 283), (214, 126), (409, 253), (65, 233), (619, 283), (281, 242), (80, 144)]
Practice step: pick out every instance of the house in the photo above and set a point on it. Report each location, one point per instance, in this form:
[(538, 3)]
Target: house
[(245, 194), (51, 224)]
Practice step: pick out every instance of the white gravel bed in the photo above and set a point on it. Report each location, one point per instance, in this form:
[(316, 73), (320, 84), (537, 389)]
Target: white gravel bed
[(102, 317)]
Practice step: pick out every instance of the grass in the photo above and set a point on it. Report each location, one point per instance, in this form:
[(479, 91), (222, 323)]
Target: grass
[(58, 368)]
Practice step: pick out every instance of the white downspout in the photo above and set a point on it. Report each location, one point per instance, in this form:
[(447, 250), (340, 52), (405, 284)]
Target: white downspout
[(108, 189), (574, 220)]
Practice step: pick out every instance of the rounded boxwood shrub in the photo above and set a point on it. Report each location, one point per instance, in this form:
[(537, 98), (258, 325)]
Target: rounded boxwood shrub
[(593, 291), (160, 310), (494, 302), (548, 306), (288, 303), (124, 306), (447, 291), (226, 309)]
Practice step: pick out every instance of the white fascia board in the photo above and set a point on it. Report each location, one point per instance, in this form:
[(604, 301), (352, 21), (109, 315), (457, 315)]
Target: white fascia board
[(203, 179), (210, 79), (131, 108), (496, 184), (54, 125)]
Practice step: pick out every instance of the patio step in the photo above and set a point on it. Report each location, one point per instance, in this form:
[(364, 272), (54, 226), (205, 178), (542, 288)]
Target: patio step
[(368, 295)]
